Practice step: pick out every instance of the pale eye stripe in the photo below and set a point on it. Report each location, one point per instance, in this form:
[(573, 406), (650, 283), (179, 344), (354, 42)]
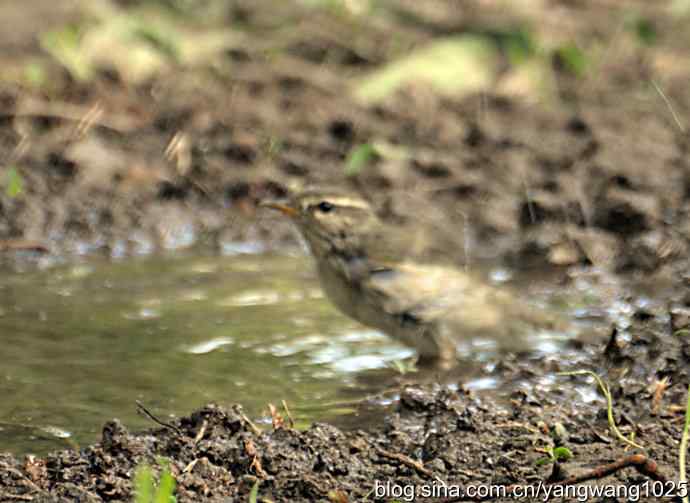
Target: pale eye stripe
[(342, 201)]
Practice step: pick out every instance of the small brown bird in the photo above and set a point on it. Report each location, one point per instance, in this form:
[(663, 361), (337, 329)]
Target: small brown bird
[(366, 269)]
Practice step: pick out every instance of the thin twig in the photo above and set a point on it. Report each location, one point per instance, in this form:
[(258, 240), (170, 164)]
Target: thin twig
[(660, 386), (251, 425), (19, 497), (19, 150), (528, 197), (287, 413), (73, 113), (91, 117), (669, 106), (405, 461), (143, 410), (684, 448), (466, 242), (24, 478), (202, 431), (640, 462), (276, 419), (609, 405), (190, 466)]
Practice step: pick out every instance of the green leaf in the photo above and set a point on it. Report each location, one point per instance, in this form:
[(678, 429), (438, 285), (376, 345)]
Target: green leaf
[(254, 493), (359, 157), (14, 184), (166, 488), (143, 484), (167, 483), (562, 454), (544, 461)]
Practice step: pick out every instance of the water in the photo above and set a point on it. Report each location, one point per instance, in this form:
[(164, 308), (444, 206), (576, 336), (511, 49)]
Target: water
[(81, 342)]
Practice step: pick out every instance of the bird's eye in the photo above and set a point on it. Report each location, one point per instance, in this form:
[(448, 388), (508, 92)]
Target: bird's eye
[(324, 207)]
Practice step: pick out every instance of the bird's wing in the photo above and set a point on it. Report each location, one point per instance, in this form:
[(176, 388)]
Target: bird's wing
[(427, 291), (457, 299)]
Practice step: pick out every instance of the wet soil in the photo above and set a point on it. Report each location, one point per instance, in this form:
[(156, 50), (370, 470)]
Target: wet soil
[(597, 177)]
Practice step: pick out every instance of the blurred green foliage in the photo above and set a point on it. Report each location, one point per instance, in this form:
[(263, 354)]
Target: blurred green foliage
[(455, 65), (358, 158), (572, 59), (138, 41), (159, 39), (519, 44), (64, 45), (141, 39), (644, 29), (181, 6), (344, 7), (254, 493), (35, 74), (14, 183), (145, 487)]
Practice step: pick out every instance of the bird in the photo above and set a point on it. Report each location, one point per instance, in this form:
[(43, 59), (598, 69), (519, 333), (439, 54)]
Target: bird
[(369, 270)]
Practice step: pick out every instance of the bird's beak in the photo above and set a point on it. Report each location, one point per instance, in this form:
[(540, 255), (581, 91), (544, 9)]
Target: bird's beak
[(283, 208)]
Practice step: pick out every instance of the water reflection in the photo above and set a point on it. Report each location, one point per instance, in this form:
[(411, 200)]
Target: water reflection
[(82, 342)]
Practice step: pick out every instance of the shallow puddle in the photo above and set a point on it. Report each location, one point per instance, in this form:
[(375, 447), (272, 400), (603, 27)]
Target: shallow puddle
[(82, 342)]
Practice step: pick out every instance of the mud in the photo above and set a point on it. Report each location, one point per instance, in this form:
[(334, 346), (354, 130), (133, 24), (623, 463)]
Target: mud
[(432, 436), (595, 178)]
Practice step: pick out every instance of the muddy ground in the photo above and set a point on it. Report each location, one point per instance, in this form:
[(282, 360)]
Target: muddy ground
[(592, 174)]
